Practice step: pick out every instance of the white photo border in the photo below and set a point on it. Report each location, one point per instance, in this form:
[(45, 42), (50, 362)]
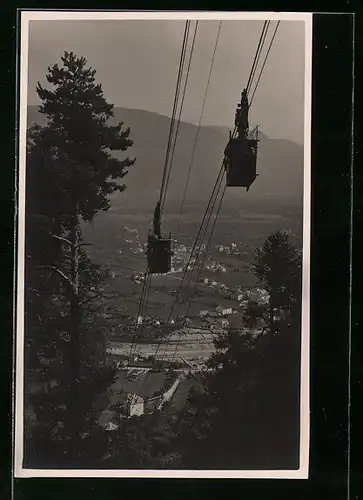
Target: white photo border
[(302, 472)]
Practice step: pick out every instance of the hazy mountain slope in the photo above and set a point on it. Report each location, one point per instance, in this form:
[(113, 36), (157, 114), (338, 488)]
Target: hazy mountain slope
[(280, 164)]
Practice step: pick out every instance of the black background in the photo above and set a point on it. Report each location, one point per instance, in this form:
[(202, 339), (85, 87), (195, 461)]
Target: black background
[(330, 293)]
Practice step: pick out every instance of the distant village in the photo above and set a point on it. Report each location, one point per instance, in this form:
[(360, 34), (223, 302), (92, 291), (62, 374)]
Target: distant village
[(215, 318), (145, 384), (181, 255), (170, 377), (169, 380)]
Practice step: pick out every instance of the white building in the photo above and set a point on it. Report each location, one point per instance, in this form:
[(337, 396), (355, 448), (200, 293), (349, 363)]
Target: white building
[(258, 295), (110, 426), (136, 405), (223, 311), (224, 323)]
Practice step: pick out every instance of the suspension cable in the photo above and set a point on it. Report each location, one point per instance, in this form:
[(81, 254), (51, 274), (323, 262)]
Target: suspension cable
[(208, 242), (199, 122), (201, 228), (212, 202), (198, 131), (146, 286), (181, 65), (146, 294), (140, 311), (200, 269), (146, 305), (179, 116), (199, 126), (257, 54), (249, 84), (204, 232), (264, 62), (218, 182), (196, 241)]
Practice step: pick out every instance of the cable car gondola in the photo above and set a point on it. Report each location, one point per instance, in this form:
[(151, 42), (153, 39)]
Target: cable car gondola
[(158, 251), (159, 254), (241, 151)]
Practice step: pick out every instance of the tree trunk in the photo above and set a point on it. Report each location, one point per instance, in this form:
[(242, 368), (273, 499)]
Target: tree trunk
[(271, 316), (75, 354)]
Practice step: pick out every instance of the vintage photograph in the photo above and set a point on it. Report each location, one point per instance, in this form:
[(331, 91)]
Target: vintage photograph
[(162, 319)]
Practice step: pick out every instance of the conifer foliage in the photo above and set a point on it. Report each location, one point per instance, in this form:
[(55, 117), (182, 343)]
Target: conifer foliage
[(247, 415), (70, 174)]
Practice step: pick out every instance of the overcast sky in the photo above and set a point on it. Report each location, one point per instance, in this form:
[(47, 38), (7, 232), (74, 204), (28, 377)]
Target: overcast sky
[(137, 64)]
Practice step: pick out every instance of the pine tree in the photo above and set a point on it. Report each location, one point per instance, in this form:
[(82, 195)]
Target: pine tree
[(247, 416), (71, 172), (254, 312), (278, 268)]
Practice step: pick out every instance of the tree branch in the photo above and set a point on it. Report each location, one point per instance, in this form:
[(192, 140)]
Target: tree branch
[(65, 240), (61, 274), (83, 245), (30, 289), (89, 299), (62, 239)]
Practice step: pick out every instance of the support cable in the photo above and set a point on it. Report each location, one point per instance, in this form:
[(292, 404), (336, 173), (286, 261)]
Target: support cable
[(143, 303), (176, 97), (218, 182), (202, 230), (199, 125), (257, 54), (200, 268), (179, 116), (252, 74), (264, 62)]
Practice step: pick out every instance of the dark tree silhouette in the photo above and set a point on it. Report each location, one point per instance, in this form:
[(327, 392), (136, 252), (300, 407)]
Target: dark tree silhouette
[(247, 415), (277, 267), (254, 313), (71, 171)]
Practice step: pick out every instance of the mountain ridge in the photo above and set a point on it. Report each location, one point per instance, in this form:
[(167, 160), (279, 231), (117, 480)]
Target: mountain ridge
[(280, 163)]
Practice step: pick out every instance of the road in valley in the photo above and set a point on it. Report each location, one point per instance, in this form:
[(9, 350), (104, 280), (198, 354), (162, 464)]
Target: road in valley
[(192, 349)]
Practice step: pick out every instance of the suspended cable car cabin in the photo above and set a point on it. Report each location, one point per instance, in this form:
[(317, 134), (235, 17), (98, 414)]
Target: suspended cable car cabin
[(241, 151), (158, 251)]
